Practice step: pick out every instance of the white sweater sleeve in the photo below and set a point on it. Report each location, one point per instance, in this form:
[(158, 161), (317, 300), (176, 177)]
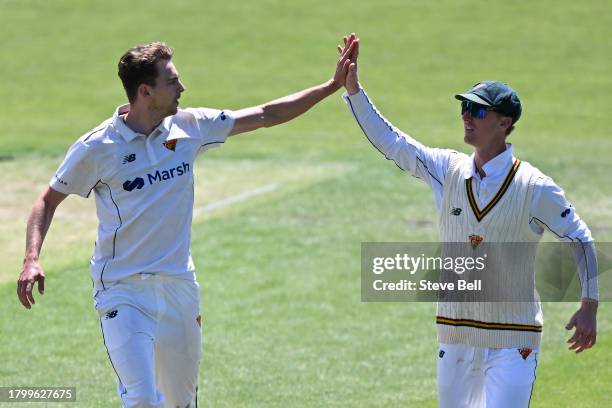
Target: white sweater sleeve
[(428, 164), (552, 211)]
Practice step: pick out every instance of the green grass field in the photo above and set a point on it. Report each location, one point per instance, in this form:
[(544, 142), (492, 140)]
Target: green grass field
[(280, 272)]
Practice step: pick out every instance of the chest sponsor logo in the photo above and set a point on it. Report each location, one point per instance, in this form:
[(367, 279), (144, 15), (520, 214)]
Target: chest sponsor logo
[(130, 185), (475, 240), (456, 211), (129, 158), (157, 177), (170, 144)]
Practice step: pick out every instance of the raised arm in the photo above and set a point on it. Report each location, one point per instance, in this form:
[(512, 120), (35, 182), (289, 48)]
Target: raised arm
[(38, 225), (289, 107), (428, 164)]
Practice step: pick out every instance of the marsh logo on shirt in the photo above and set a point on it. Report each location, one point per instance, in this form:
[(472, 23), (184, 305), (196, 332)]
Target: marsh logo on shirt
[(130, 185), (158, 176)]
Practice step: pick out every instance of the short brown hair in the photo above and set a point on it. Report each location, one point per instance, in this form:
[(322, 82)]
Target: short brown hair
[(139, 66)]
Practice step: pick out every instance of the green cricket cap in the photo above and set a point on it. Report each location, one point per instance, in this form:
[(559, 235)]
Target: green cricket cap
[(501, 97)]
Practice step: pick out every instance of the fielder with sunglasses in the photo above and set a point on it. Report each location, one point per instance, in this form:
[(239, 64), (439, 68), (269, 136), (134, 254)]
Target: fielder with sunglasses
[(488, 350)]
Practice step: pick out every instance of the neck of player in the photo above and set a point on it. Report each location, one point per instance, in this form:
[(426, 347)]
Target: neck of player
[(485, 153), (142, 120)]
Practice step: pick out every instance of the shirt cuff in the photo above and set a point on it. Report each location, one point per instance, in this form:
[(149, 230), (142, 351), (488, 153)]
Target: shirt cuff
[(359, 97)]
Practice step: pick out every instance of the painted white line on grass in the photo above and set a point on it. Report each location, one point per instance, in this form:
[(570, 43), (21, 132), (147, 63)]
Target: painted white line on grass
[(245, 195)]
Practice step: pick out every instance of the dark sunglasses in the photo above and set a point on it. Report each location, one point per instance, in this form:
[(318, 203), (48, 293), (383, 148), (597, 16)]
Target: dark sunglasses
[(475, 110)]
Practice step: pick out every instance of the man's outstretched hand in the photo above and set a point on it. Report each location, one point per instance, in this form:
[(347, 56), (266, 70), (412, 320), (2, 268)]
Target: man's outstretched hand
[(351, 48), (585, 322), (347, 55)]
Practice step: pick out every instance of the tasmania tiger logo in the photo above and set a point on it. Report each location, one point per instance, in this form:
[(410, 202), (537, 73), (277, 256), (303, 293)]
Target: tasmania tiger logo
[(525, 352), (475, 240), (170, 144)]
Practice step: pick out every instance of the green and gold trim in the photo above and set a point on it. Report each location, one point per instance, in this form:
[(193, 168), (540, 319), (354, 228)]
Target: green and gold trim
[(480, 214), (486, 325)]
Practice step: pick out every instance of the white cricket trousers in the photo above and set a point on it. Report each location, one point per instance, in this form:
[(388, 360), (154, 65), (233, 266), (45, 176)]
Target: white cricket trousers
[(475, 377), (152, 334)]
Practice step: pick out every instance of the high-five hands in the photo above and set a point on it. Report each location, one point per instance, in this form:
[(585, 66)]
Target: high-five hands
[(347, 55), (350, 50)]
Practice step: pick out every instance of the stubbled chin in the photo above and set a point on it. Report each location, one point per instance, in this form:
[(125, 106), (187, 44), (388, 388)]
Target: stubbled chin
[(468, 137)]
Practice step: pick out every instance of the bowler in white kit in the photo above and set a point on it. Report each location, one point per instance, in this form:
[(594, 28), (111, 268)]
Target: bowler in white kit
[(139, 165)]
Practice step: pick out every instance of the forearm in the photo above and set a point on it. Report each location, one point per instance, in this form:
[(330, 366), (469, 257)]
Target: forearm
[(586, 261), (38, 225), (291, 106), (390, 141)]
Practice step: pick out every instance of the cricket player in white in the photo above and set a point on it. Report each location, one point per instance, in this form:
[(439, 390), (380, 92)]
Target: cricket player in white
[(139, 164), (488, 350)]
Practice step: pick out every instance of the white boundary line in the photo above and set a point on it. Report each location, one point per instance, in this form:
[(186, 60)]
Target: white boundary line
[(245, 195)]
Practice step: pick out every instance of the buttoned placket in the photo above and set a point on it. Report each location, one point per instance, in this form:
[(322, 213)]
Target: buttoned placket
[(485, 188), (150, 147), (151, 143)]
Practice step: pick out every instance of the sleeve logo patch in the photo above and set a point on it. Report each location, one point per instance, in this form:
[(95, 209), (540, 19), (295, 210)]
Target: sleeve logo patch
[(111, 315)]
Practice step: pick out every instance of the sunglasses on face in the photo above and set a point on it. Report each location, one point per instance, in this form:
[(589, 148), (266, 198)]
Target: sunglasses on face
[(475, 110)]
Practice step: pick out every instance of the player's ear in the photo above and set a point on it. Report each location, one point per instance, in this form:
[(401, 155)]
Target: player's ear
[(143, 91), (505, 122)]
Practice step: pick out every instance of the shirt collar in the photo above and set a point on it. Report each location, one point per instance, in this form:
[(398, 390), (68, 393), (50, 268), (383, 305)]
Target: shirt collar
[(127, 133), (496, 166)]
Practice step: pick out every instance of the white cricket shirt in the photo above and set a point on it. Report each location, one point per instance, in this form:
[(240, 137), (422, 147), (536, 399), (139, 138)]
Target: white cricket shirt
[(144, 190)]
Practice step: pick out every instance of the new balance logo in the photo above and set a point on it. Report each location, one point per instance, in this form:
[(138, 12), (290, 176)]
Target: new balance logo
[(111, 315), (441, 354), (565, 213), (130, 185), (456, 211), (129, 158)]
